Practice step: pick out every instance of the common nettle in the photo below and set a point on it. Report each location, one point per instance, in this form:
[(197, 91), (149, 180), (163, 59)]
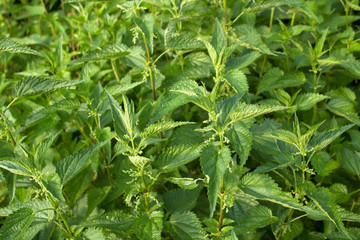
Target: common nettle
[(179, 119)]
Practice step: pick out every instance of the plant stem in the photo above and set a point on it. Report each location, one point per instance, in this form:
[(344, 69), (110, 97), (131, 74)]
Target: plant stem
[(50, 24), (263, 67), (221, 217), (265, 57), (113, 65), (53, 203), (144, 189), (3, 122), (271, 18), (226, 23), (293, 18), (285, 221), (150, 67), (315, 105), (8, 22), (108, 169)]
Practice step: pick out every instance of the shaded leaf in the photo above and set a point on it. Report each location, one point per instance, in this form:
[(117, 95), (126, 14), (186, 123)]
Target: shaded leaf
[(324, 200), (177, 156), (72, 165), (17, 224), (112, 51), (32, 85), (185, 226), (214, 162), (11, 46)]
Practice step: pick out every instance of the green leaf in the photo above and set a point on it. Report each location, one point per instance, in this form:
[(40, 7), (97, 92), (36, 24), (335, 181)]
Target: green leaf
[(112, 51), (185, 226), (184, 183), (261, 186), (225, 107), (178, 200), (352, 65), (256, 7), (214, 162), (323, 139), (306, 101), (15, 167), (241, 139), (218, 40), (320, 44), (53, 185), (156, 128), (93, 234), (281, 160), (95, 196), (251, 39), (72, 165), (41, 113), (212, 52), (245, 111), (116, 221), (350, 160), (340, 193), (174, 99), (183, 41), (325, 201), (122, 88), (354, 233), (255, 217), (149, 226), (78, 1), (146, 24), (59, 52), (323, 164), (353, 5), (243, 61), (42, 148), (17, 224), (139, 161), (32, 85), (293, 230), (274, 78), (11, 46), (345, 108), (41, 208), (237, 79), (177, 156), (124, 119)]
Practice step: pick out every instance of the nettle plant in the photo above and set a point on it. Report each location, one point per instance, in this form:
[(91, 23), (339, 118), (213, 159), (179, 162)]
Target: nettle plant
[(179, 119)]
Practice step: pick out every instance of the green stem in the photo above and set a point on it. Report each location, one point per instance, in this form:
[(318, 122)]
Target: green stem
[(285, 222), (50, 24), (150, 67), (315, 105), (293, 18), (53, 203), (347, 16), (8, 22), (271, 18), (116, 73), (144, 189), (226, 23), (7, 130), (108, 169), (221, 217), (265, 57), (263, 67)]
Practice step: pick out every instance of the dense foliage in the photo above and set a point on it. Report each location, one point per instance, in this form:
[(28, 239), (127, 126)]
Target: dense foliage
[(179, 119)]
